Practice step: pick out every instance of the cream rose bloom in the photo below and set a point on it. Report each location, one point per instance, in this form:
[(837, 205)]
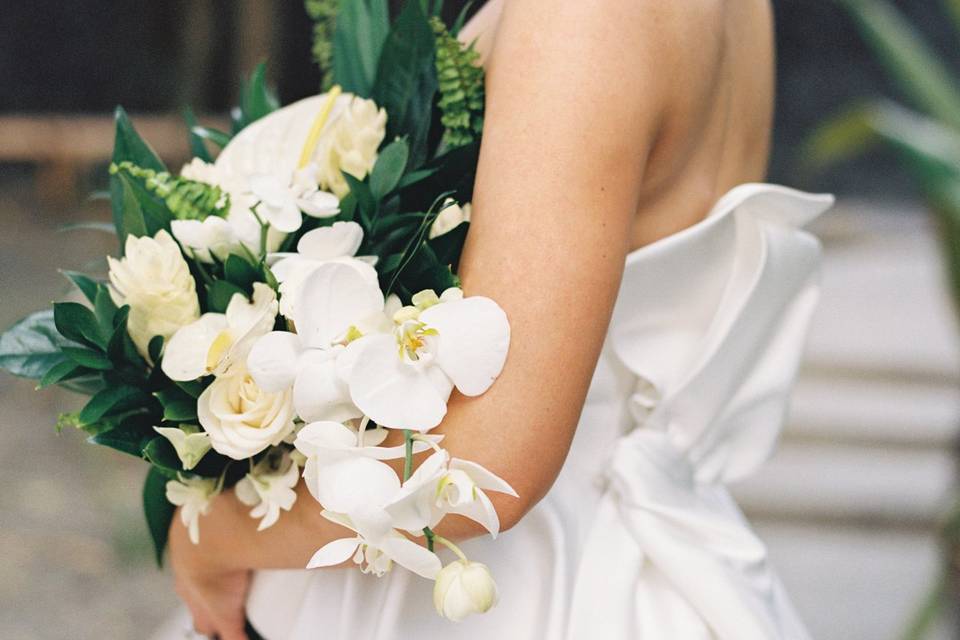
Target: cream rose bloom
[(350, 145), (153, 278), (241, 418)]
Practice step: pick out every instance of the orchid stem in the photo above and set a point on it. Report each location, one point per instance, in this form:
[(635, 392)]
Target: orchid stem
[(430, 535), (451, 546), (407, 454)]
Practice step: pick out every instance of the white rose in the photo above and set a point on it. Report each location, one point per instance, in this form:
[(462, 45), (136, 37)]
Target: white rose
[(462, 588), (154, 279), (350, 145), (449, 218), (241, 418)]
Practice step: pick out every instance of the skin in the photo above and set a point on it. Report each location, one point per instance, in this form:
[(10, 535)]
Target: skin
[(610, 124)]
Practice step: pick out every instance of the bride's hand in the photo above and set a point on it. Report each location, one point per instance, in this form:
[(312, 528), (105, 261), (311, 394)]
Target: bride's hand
[(214, 593)]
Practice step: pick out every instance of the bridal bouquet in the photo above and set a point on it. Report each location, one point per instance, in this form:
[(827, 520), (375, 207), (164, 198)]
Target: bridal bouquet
[(278, 309)]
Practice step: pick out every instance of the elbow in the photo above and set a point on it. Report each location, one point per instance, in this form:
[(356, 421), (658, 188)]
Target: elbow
[(512, 510)]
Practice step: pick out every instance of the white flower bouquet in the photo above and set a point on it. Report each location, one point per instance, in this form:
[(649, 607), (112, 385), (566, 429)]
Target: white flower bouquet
[(279, 307)]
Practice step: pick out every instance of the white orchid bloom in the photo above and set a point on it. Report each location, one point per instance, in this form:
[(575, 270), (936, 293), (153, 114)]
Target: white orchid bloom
[(376, 546), (190, 443), (343, 471), (336, 243), (341, 299), (282, 201), (268, 490), (403, 379), (217, 342), (193, 495), (442, 485)]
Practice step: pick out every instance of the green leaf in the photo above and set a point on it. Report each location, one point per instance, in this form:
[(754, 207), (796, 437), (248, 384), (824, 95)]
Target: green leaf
[(88, 287), (241, 273), (449, 246), (121, 439), (87, 358), (120, 348), (161, 454), (112, 400), (197, 145), (158, 511), (389, 168), (155, 348), (131, 215), (59, 372), (105, 227), (215, 136), (178, 405), (76, 322), (220, 293), (360, 30), (366, 205), (907, 58), (839, 138), (406, 80), (32, 346), (105, 309), (143, 214), (128, 145), (256, 99), (192, 388)]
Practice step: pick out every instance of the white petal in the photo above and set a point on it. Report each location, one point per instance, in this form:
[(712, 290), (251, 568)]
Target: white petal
[(185, 356), (316, 437), (485, 479), (480, 510), (333, 553), (320, 204), (319, 393), (412, 556), (336, 241), (474, 336), (355, 483), (331, 299), (394, 394), (273, 360)]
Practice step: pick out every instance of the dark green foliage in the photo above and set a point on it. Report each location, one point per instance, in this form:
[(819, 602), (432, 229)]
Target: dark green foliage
[(460, 82), (184, 199), (158, 510)]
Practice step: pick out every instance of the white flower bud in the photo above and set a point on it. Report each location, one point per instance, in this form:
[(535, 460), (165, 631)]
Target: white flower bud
[(449, 218), (462, 588)]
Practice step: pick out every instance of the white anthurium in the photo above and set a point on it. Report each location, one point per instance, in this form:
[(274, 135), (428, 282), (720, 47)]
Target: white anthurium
[(190, 443), (441, 486), (193, 495), (216, 343), (376, 546), (243, 419), (343, 469), (403, 379), (338, 242), (269, 488)]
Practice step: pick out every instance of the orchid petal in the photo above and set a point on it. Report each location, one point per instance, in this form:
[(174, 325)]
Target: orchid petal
[(412, 556), (484, 478), (334, 297), (336, 241), (394, 394), (319, 393), (354, 483), (273, 360), (480, 510), (333, 553), (474, 336)]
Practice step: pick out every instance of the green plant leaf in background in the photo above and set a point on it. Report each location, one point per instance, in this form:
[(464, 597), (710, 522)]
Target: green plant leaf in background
[(406, 80), (32, 346), (158, 510), (256, 99), (198, 146), (359, 33), (389, 168), (918, 72), (128, 146)]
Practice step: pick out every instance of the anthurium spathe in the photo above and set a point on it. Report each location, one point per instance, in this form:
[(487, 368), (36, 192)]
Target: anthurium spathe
[(217, 342), (403, 379), (442, 485)]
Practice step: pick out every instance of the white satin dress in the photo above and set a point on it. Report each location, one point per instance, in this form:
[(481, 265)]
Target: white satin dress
[(638, 538)]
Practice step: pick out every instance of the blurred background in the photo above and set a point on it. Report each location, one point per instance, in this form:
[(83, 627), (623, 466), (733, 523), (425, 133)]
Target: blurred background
[(856, 506)]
